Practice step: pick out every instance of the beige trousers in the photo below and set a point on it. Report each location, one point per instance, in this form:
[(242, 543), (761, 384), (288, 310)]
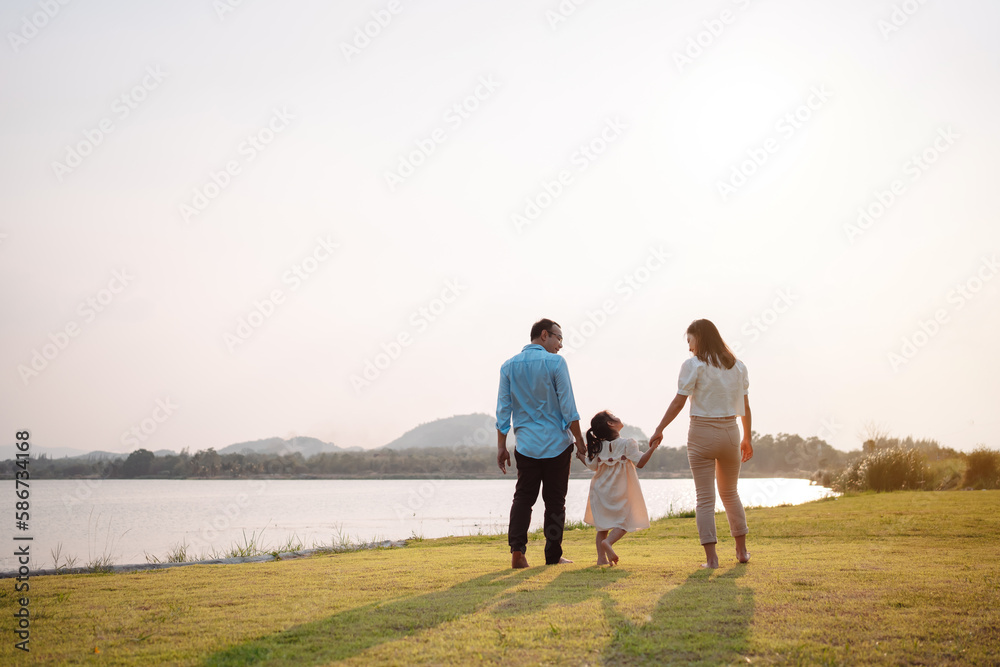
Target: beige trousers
[(714, 451)]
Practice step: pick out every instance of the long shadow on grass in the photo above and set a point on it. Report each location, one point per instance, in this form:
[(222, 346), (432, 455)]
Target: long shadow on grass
[(355, 630), (568, 589), (707, 618)]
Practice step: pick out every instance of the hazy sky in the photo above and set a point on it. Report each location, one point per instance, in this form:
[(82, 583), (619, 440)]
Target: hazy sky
[(216, 215)]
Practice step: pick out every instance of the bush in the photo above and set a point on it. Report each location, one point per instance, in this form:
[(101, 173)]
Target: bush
[(825, 478), (982, 469), (893, 469)]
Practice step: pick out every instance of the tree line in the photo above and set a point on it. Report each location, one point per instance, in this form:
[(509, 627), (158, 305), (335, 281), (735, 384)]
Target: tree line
[(782, 455)]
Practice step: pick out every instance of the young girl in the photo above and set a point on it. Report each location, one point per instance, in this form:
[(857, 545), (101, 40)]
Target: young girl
[(615, 505)]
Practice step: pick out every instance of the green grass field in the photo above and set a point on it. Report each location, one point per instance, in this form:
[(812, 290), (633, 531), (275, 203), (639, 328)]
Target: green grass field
[(901, 578)]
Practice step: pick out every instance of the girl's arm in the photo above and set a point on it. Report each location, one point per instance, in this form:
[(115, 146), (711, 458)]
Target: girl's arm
[(645, 457), (673, 410), (585, 459)]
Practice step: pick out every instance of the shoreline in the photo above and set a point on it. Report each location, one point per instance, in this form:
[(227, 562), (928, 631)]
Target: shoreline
[(238, 560)]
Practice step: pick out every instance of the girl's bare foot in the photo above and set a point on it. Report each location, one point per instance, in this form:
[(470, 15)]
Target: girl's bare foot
[(610, 553)]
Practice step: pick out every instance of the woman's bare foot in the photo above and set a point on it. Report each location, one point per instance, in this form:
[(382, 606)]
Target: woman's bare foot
[(742, 555), (610, 553), (563, 561), (711, 557)]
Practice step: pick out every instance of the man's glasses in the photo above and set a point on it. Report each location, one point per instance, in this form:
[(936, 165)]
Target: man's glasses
[(559, 336)]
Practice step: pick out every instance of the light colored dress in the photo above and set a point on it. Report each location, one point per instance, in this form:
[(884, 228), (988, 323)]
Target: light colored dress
[(615, 499)]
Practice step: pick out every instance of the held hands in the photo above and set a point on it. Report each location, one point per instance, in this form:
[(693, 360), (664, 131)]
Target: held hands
[(656, 439), (746, 449)]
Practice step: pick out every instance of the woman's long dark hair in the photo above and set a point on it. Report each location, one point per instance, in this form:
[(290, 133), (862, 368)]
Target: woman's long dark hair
[(711, 348), (600, 429)]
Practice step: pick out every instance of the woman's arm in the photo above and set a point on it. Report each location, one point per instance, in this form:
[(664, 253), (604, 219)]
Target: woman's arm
[(673, 410), (746, 449)]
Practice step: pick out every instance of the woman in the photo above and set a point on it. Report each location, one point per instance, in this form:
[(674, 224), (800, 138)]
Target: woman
[(717, 383)]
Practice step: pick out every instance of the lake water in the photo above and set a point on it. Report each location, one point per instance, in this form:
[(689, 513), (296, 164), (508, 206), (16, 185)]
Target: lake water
[(130, 518)]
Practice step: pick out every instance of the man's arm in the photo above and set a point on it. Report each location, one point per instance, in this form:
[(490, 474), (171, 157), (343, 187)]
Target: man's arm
[(567, 404), (503, 456), (503, 421), (581, 446)]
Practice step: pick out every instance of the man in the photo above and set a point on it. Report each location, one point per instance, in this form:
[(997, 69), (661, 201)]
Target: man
[(536, 394)]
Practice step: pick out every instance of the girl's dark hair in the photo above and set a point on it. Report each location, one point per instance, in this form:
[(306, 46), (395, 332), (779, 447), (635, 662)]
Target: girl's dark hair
[(600, 429), (711, 348)]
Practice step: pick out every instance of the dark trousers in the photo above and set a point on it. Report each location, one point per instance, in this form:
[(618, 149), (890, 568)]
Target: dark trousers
[(553, 476)]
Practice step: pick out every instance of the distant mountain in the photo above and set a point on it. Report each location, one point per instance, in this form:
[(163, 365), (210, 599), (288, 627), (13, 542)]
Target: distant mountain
[(475, 430), (164, 452), (633, 432), (478, 429), (303, 445), (96, 455), (57, 452)]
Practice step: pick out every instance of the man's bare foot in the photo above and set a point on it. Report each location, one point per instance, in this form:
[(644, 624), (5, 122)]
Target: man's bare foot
[(518, 561), (610, 553)]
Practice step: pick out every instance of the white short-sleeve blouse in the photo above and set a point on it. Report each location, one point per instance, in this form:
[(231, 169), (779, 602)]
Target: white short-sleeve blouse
[(714, 392)]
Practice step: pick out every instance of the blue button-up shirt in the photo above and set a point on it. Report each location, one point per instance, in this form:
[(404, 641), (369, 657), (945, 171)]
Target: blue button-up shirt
[(535, 392)]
